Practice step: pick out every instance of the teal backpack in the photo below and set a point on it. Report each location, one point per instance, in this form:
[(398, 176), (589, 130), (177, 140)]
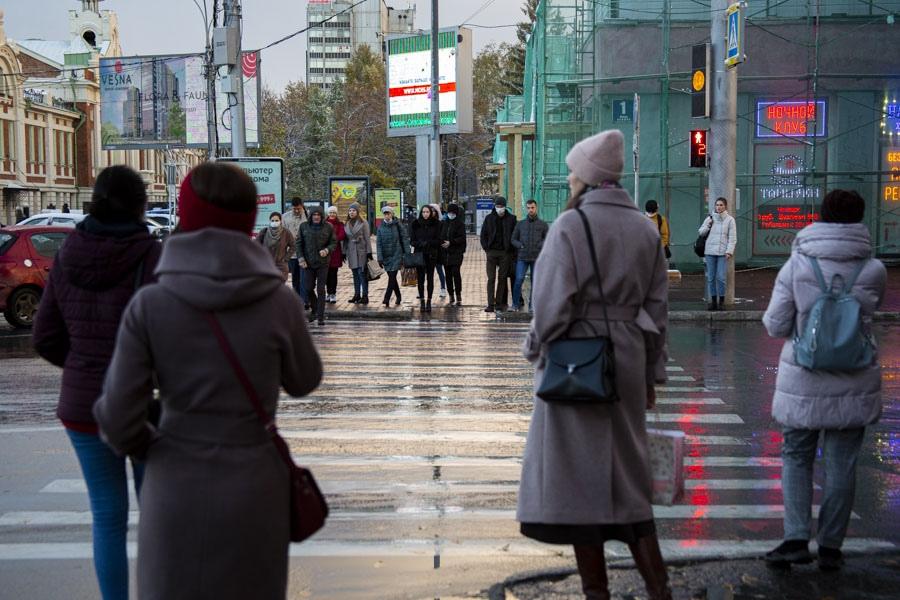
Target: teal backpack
[(833, 338)]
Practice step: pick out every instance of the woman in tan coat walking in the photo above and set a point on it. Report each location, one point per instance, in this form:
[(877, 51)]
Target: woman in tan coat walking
[(585, 473), (214, 504)]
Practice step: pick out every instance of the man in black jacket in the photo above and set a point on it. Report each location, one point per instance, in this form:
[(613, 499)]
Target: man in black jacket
[(528, 238), (315, 244), (496, 241)]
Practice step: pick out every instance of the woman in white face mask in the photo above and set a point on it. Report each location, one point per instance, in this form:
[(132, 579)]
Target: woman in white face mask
[(279, 241)]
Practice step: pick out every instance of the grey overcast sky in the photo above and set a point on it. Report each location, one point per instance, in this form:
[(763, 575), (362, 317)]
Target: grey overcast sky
[(174, 26)]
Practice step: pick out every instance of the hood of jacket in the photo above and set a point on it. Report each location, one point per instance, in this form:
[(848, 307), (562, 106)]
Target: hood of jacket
[(836, 241), (217, 269), (98, 257)]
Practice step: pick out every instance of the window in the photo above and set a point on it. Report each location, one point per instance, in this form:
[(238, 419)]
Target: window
[(62, 221), (6, 242), (35, 153), (7, 145), (47, 244)]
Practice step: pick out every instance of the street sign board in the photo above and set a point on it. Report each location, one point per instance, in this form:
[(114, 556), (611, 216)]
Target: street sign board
[(623, 111), (734, 43), (268, 175)]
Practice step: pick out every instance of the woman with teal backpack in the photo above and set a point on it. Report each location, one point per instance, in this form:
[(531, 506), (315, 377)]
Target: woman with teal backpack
[(838, 402)]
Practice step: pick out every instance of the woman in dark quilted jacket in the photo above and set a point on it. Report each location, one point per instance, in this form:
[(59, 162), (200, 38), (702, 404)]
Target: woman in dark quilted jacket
[(97, 270)]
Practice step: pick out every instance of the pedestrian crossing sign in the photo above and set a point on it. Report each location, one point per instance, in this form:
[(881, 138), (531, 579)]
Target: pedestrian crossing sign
[(734, 43)]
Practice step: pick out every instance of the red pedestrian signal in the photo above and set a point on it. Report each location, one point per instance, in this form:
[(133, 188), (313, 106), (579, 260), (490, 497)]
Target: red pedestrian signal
[(698, 147)]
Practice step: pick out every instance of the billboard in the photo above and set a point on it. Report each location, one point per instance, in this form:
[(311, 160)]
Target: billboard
[(344, 191), (268, 175), (160, 102), (409, 82)]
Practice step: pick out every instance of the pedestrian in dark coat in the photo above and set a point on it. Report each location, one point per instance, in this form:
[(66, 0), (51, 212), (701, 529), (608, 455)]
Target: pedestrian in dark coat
[(392, 243), (215, 520), (528, 238), (291, 221), (453, 247), (317, 242), (585, 474), (337, 257), (807, 403), (425, 239), (496, 241), (96, 272), (358, 248)]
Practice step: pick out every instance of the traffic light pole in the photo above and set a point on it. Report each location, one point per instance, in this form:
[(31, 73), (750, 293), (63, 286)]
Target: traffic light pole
[(723, 126)]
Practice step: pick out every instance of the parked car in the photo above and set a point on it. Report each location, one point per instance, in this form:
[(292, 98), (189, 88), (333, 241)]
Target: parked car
[(62, 219), (26, 255)]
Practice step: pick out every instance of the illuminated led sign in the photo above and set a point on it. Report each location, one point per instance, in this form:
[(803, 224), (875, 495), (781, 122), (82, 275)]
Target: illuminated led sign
[(891, 190), (890, 122), (791, 118)]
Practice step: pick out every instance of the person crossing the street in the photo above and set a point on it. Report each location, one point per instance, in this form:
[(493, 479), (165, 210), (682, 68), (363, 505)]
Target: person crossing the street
[(391, 244), (358, 249), (337, 257), (279, 241), (317, 242), (291, 221)]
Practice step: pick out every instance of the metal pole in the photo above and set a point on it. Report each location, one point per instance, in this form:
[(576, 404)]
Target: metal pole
[(636, 149), (236, 99), (435, 154), (722, 126), (211, 133)]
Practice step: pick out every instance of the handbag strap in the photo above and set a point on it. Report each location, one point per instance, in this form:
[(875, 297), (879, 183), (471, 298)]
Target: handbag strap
[(239, 372), (593, 252)]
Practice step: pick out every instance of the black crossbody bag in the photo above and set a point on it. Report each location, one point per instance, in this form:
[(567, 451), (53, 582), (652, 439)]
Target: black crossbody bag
[(581, 370)]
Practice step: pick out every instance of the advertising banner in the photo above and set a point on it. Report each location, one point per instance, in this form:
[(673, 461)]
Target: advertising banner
[(785, 199), (344, 191), (388, 197), (409, 82), (483, 207), (268, 175), (160, 102)]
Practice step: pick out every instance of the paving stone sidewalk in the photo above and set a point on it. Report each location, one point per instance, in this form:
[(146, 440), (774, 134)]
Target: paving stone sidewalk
[(753, 290), (872, 577)]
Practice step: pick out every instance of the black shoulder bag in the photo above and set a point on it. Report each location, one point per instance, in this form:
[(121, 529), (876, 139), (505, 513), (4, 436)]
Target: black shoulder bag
[(581, 370)]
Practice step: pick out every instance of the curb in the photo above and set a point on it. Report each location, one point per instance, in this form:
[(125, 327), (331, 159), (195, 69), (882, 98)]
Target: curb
[(678, 316)]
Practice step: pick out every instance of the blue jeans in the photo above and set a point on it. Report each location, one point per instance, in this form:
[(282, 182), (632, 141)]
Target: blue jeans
[(107, 482), (360, 282), (441, 275), (522, 268), (715, 275), (840, 450)]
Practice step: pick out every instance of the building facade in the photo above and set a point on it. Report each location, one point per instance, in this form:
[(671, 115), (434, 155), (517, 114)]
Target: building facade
[(50, 129), (337, 30), (812, 114)]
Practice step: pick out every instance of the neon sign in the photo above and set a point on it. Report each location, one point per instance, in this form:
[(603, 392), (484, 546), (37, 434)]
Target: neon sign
[(890, 122), (891, 190), (791, 118)]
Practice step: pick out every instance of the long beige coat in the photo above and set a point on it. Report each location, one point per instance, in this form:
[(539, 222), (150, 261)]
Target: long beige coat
[(588, 464), (214, 502)]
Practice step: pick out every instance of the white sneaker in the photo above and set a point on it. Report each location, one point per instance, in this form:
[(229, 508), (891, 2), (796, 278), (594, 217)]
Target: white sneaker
[(443, 293)]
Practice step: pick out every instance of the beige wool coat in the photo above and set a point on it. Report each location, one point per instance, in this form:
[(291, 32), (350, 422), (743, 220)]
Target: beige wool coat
[(588, 465), (214, 520)]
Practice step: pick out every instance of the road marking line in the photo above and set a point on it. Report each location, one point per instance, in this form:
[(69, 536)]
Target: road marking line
[(417, 513), (686, 419), (681, 378), (672, 549), (44, 429)]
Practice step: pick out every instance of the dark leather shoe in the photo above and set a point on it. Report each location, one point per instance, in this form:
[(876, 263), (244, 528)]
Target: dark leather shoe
[(830, 559), (790, 552)]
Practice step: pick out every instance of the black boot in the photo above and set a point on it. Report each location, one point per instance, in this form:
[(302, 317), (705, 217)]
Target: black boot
[(428, 305), (592, 569), (713, 303), (364, 300), (398, 299), (721, 302), (387, 300), (354, 299), (422, 305), (649, 563)]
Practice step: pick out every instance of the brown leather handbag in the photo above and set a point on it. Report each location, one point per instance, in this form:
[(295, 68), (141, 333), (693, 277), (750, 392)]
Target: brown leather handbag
[(308, 507)]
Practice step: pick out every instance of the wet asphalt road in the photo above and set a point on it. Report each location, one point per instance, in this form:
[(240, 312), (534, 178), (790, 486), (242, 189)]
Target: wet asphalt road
[(415, 435)]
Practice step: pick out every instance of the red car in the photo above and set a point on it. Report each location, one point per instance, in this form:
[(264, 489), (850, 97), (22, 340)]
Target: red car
[(26, 255)]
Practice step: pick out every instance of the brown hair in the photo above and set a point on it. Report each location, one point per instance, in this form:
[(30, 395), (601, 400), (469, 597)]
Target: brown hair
[(224, 184)]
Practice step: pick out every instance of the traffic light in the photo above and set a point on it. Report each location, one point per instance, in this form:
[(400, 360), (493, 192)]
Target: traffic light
[(698, 147), (700, 80)]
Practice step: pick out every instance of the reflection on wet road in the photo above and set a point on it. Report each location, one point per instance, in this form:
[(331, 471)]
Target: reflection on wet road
[(417, 431)]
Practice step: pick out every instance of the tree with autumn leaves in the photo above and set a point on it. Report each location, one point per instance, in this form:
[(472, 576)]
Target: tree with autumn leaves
[(343, 130)]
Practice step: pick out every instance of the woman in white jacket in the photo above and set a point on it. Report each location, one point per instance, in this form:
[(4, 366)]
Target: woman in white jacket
[(719, 249)]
